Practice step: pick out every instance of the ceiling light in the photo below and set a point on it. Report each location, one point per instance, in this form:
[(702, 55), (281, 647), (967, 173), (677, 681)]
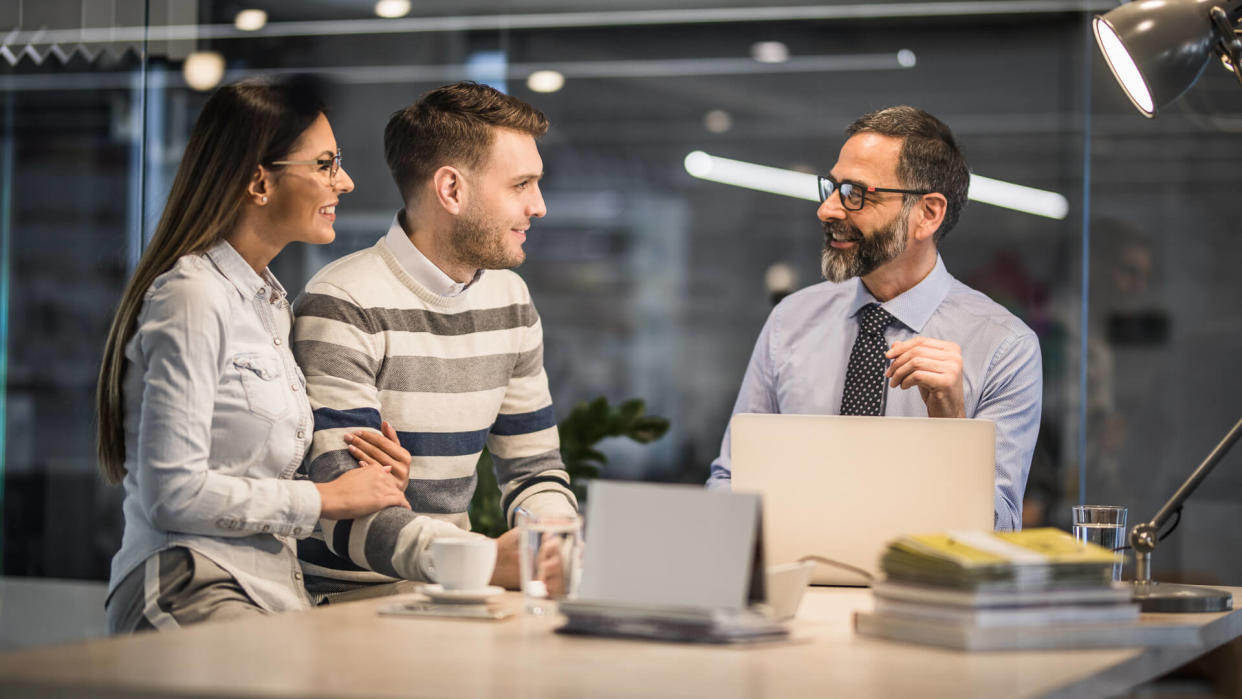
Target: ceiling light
[(769, 52), (1039, 202), (203, 70), (250, 20), (717, 121), (391, 9), (762, 178), (1157, 49), (800, 185), (780, 277), (545, 81)]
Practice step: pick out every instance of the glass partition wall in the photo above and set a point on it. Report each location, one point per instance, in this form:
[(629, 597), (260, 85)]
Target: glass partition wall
[(1162, 316), (653, 283)]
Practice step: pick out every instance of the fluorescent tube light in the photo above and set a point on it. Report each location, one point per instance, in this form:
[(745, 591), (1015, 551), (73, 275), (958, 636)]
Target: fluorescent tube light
[(773, 180), (1039, 202), (800, 185)]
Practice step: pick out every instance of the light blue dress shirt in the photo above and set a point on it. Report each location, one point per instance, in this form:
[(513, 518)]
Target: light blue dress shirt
[(216, 423), (799, 362)]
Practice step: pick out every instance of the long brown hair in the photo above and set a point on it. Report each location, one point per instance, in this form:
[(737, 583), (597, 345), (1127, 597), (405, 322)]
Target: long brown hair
[(242, 125)]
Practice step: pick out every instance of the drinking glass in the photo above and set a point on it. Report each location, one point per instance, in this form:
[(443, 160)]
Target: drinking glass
[(1103, 525), (549, 559)]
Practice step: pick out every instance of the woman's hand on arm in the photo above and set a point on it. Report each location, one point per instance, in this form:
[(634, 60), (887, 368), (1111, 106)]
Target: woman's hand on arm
[(383, 450), (360, 492)]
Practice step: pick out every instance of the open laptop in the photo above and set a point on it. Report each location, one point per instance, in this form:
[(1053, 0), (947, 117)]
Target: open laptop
[(842, 487)]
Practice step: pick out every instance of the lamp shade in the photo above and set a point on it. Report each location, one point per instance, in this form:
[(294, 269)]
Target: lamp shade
[(1156, 48)]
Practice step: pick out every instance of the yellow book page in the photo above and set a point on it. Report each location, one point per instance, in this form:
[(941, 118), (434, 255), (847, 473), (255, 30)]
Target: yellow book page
[(1057, 546), (947, 547)]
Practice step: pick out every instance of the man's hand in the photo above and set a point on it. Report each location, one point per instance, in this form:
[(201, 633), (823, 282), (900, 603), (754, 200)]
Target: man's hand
[(381, 450), (506, 572), (935, 366), (550, 568)]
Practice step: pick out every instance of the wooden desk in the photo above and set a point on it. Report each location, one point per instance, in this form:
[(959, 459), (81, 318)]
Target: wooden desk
[(349, 650)]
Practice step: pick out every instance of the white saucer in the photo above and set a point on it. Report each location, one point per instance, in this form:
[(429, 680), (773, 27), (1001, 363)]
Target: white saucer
[(437, 593)]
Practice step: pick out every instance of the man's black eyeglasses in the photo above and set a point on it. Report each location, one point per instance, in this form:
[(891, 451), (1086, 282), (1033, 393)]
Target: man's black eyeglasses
[(853, 196)]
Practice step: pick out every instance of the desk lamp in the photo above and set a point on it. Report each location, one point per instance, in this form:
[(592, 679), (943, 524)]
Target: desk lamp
[(1157, 49), (1164, 597)]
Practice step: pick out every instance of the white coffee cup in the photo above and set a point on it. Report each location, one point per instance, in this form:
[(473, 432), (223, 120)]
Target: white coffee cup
[(464, 563)]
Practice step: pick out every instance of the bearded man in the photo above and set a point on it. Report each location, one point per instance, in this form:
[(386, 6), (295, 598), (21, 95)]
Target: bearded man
[(430, 330), (890, 317)]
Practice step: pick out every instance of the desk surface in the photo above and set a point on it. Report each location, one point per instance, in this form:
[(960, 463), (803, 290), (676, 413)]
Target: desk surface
[(350, 650)]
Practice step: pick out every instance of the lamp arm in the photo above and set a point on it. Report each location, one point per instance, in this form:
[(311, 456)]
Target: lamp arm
[(1143, 536), (1228, 43)]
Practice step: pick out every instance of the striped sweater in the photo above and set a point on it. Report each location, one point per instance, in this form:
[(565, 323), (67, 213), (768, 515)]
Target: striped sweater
[(451, 374)]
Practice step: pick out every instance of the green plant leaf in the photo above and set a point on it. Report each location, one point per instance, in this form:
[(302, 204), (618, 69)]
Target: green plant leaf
[(631, 410), (647, 429), (584, 427)]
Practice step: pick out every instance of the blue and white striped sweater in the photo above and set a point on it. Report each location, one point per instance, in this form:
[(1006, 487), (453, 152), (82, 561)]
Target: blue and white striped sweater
[(452, 375)]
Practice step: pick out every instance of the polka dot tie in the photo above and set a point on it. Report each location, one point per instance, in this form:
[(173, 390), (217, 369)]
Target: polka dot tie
[(864, 378)]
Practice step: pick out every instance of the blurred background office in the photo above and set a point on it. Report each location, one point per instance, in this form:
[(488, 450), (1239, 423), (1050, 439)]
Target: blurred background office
[(653, 283)]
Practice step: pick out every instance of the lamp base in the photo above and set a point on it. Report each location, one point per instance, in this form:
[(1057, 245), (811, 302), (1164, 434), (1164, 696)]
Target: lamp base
[(1167, 597)]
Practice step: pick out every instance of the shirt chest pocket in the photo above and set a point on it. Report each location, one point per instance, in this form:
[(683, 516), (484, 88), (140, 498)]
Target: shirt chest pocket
[(262, 381)]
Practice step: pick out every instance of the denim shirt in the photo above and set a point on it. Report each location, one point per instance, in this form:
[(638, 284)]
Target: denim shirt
[(216, 423)]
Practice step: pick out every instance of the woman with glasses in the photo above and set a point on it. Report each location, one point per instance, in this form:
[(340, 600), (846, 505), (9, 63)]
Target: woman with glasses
[(203, 413)]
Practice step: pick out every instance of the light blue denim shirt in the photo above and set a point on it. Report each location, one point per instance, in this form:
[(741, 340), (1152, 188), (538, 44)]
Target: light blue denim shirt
[(216, 423), (799, 362)]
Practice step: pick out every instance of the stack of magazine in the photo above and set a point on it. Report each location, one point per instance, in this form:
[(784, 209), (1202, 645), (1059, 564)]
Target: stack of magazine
[(1033, 589)]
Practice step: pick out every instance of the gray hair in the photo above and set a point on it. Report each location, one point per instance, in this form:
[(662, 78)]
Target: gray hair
[(929, 159)]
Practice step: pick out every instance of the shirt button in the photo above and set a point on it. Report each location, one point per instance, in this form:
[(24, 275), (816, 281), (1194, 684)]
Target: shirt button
[(276, 340), (301, 434), (297, 575), (297, 531), (262, 292), (294, 387), (266, 527)]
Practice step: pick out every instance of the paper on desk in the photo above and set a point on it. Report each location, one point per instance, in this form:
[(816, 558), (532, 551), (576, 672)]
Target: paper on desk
[(457, 611)]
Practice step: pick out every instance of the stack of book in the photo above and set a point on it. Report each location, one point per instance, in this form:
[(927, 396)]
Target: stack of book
[(1034, 589)]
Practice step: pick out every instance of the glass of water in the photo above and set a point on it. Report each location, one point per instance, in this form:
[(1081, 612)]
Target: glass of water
[(1103, 525), (549, 559)]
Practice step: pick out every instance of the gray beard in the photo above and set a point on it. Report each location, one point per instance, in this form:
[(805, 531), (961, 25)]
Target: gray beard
[(868, 254)]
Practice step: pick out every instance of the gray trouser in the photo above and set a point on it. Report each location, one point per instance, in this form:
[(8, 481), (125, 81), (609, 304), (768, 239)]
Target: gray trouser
[(173, 588)]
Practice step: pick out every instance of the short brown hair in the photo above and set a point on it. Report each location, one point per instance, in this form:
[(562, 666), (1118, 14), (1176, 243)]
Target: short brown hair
[(929, 159), (452, 125)]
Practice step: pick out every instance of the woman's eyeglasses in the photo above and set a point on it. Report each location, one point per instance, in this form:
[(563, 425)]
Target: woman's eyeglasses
[(332, 164), (853, 196)]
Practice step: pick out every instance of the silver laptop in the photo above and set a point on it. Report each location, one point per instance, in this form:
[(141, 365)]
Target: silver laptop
[(843, 487)]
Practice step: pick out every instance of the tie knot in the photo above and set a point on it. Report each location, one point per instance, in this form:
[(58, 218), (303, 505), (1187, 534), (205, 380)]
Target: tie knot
[(874, 319)]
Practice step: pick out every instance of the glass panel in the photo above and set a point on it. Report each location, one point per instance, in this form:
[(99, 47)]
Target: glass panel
[(650, 283), (72, 119), (1162, 316)]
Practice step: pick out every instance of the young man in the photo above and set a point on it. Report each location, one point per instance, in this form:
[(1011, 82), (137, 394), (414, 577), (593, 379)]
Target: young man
[(429, 330), (897, 188)]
